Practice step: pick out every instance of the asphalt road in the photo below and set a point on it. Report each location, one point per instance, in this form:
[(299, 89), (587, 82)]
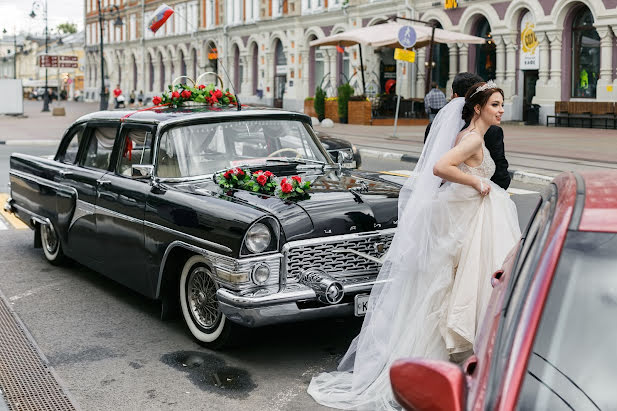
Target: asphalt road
[(108, 346)]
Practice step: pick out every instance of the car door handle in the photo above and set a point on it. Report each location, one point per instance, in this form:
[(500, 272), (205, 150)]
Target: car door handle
[(65, 173), (103, 183)]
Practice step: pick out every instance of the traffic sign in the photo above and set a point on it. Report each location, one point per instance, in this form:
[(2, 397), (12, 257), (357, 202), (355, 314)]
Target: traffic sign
[(407, 36), (404, 55), (47, 60)]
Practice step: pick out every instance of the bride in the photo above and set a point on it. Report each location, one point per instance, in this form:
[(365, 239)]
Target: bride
[(455, 229)]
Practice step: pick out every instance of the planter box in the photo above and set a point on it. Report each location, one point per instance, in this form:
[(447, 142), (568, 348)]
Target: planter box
[(309, 108), (332, 110), (359, 112)]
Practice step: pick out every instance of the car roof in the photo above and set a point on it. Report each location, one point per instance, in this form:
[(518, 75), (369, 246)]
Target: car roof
[(157, 115), (600, 209)]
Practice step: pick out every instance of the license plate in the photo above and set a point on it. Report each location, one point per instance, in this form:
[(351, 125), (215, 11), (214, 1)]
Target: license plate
[(360, 304)]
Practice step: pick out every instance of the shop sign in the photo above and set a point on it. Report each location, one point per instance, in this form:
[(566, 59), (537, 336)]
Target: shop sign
[(450, 4), (404, 55), (281, 70), (530, 55), (47, 60)]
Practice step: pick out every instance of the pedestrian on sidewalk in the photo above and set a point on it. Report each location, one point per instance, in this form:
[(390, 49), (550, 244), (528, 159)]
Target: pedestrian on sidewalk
[(117, 93), (493, 139), (434, 101), (140, 98)]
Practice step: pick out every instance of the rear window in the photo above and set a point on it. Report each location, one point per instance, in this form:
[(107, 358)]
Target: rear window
[(574, 360)]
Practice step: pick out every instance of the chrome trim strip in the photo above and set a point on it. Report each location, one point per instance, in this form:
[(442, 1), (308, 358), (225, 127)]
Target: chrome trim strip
[(188, 236), (82, 209), (336, 238), (44, 181), (107, 212)]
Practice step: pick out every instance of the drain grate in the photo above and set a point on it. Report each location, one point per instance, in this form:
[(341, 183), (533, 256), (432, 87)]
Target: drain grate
[(26, 381)]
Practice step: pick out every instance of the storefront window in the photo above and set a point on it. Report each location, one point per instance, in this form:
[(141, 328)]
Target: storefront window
[(441, 67), (585, 55), (485, 53)]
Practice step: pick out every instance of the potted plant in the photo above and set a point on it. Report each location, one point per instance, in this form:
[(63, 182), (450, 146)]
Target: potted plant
[(320, 103), (332, 108), (309, 107), (344, 92), (359, 108)]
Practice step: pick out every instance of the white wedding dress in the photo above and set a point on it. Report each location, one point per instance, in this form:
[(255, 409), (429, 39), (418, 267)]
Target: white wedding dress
[(435, 284)]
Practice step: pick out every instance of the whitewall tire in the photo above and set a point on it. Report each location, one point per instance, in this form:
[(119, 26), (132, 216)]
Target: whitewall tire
[(200, 308), (51, 244)]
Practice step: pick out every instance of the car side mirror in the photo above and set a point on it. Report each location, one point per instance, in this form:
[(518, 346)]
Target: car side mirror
[(344, 157), (428, 385), (139, 171)]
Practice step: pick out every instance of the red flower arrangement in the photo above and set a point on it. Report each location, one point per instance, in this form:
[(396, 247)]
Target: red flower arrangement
[(264, 182), (200, 94)]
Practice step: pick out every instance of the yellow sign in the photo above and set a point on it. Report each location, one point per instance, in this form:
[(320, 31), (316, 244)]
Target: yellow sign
[(609, 89), (528, 39), (405, 55), (450, 4)]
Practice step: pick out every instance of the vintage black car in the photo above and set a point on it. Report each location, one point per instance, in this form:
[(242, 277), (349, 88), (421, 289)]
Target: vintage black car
[(133, 195)]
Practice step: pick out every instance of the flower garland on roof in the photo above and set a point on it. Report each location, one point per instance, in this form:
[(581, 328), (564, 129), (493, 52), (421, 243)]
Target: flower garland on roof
[(264, 182), (209, 95)]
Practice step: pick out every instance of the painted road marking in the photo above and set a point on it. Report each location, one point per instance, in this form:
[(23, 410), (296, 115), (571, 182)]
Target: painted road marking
[(512, 190), (13, 222)]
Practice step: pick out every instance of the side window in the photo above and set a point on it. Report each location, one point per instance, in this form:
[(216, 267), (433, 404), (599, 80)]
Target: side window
[(69, 156), (135, 149), (99, 147)]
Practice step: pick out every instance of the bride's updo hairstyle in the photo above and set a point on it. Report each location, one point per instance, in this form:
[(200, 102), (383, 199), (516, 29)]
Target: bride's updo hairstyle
[(479, 93)]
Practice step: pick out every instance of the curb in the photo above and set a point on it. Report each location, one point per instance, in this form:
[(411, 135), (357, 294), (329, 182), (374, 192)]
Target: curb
[(49, 142), (516, 175)]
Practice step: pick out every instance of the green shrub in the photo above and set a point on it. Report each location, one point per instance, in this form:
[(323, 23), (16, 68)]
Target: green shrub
[(344, 92), (320, 103)]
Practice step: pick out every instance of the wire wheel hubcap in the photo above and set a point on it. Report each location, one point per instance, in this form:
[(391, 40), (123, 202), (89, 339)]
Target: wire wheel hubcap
[(50, 238), (201, 296)]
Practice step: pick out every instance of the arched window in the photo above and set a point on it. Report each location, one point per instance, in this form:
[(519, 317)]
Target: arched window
[(585, 54), (486, 58)]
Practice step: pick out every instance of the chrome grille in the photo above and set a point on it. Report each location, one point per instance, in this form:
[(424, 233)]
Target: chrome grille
[(320, 253)]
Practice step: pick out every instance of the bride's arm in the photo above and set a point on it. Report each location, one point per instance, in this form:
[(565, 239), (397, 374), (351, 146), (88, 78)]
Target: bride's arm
[(447, 166)]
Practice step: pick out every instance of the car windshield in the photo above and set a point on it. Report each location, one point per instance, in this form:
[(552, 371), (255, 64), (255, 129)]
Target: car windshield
[(573, 363), (202, 149)]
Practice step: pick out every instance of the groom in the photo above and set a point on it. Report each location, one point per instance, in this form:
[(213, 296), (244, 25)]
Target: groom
[(493, 139)]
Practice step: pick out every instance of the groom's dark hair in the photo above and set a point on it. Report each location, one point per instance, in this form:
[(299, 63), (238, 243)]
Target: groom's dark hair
[(463, 82)]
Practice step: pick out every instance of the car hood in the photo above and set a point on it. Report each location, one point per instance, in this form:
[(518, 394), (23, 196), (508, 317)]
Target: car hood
[(341, 202)]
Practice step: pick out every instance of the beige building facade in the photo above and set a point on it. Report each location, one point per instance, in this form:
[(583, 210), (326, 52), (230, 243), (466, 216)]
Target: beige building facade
[(539, 51)]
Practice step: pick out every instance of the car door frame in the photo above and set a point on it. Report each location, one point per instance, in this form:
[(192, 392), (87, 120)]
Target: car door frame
[(84, 180), (120, 210)]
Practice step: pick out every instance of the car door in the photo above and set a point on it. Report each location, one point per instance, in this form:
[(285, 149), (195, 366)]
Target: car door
[(121, 205), (94, 161)]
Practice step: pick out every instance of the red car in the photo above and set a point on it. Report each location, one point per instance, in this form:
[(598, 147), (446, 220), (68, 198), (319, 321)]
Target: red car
[(549, 336)]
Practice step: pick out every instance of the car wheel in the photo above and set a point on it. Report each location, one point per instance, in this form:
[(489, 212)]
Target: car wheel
[(51, 244), (200, 308)]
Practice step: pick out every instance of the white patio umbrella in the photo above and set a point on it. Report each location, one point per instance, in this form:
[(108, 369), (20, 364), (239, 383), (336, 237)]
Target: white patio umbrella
[(386, 35)]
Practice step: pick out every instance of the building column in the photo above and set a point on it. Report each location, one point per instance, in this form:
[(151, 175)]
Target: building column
[(500, 52), (547, 92), (268, 79), (463, 57), (420, 80), (555, 38), (606, 59), (244, 81), (543, 47), (453, 56)]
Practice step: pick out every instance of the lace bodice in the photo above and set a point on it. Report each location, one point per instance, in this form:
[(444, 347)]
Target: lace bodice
[(485, 170)]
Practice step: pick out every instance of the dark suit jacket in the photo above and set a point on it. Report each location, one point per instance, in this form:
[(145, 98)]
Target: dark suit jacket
[(493, 140)]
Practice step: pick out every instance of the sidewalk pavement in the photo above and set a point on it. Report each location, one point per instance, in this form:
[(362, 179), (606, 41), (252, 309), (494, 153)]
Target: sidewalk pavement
[(536, 153)]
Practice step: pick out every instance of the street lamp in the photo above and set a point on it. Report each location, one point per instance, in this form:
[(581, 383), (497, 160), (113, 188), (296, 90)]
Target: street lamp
[(35, 4), (117, 23)]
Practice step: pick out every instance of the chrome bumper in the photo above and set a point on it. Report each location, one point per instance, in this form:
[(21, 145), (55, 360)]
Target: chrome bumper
[(8, 206), (294, 302)]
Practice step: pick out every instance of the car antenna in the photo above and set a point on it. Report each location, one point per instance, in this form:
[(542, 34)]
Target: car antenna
[(230, 82)]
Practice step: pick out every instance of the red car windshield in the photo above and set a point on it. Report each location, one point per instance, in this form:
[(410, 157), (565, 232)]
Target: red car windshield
[(573, 364)]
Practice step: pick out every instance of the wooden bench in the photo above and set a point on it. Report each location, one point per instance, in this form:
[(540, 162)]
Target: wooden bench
[(584, 114)]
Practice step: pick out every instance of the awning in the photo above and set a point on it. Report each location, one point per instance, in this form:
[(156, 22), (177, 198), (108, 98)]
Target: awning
[(386, 35)]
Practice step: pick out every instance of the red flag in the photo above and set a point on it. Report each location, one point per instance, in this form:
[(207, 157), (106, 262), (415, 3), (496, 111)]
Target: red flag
[(160, 17), (340, 49)]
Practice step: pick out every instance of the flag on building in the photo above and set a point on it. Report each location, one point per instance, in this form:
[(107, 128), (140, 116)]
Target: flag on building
[(340, 49), (159, 17)]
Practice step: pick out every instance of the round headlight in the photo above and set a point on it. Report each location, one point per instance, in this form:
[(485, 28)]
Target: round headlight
[(258, 238), (261, 273)]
